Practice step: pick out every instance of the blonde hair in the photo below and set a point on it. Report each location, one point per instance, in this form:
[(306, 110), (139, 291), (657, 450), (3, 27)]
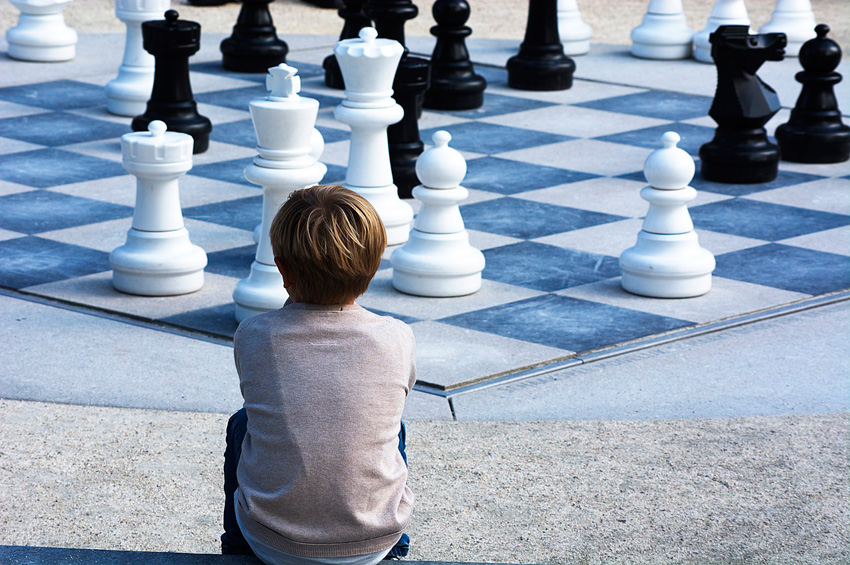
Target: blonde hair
[(332, 239)]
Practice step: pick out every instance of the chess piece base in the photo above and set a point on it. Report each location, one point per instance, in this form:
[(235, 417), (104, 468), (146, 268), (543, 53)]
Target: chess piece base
[(739, 158), (830, 145), (662, 36), (437, 265), (128, 93), (42, 38), (158, 264), (260, 292), (257, 57), (550, 72), (667, 266), (449, 95)]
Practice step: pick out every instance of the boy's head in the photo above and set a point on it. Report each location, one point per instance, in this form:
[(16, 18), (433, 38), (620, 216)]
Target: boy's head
[(331, 240)]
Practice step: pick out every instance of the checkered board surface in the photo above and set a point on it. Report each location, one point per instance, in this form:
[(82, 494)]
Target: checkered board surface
[(554, 181)]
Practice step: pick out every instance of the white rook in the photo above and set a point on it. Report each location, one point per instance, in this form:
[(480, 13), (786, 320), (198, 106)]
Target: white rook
[(667, 260), (438, 260), (41, 33), (283, 122), (158, 259), (128, 93), (368, 66)]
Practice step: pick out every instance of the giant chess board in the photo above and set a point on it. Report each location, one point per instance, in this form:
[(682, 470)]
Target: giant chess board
[(554, 181)]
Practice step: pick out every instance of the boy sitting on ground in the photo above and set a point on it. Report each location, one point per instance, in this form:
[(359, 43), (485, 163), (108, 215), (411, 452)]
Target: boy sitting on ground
[(315, 471)]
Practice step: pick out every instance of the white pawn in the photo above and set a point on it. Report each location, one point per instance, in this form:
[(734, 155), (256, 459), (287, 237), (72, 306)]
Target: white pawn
[(284, 123), (368, 66), (158, 259), (796, 20), (438, 260), (724, 12), (41, 33), (663, 33), (667, 260), (575, 34), (128, 93)]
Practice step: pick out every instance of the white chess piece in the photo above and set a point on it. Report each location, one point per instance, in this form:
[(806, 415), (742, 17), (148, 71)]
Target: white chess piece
[(284, 124), (438, 260), (575, 34), (41, 33), (667, 260), (663, 33), (158, 259), (724, 12), (128, 93), (796, 20), (368, 66)]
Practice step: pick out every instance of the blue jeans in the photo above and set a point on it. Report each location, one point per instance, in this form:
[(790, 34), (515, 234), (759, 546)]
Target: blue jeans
[(232, 541)]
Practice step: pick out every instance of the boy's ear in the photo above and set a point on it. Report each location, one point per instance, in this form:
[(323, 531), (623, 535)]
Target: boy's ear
[(285, 272)]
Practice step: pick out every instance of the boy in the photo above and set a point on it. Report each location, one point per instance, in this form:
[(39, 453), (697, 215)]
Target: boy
[(320, 476)]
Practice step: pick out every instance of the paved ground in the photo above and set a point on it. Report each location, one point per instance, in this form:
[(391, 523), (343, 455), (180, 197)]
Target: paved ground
[(728, 446)]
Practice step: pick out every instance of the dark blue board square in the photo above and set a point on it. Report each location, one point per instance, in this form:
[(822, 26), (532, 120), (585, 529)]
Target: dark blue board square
[(43, 168), (38, 211), (216, 320), (546, 267), (787, 267), (335, 175), (565, 323), (763, 220), (496, 76), (401, 317), (29, 261), (241, 213), (55, 95), (236, 133), (498, 105), (234, 262), (59, 128), (325, 100), (693, 137), (227, 171), (331, 135), (491, 138), (526, 219), (784, 178), (235, 98), (511, 177), (655, 104)]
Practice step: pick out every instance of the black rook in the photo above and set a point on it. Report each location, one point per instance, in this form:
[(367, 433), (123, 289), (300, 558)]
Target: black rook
[(172, 42)]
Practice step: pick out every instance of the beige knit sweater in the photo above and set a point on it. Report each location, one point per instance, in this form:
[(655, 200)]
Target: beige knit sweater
[(324, 388)]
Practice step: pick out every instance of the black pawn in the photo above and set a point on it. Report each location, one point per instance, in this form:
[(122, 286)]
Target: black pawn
[(355, 20), (740, 152), (254, 46), (815, 133), (172, 42), (454, 84), (411, 82), (541, 63)]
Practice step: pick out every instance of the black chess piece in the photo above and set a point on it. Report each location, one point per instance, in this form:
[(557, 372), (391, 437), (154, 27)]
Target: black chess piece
[(172, 41), (815, 132), (411, 83), (254, 46), (541, 63), (355, 20), (454, 84), (210, 2), (740, 152)]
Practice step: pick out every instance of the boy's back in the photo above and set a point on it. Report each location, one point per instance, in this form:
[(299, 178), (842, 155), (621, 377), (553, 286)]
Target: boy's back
[(320, 473)]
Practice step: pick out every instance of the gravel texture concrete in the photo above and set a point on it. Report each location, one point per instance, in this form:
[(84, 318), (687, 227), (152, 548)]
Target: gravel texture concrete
[(768, 490)]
